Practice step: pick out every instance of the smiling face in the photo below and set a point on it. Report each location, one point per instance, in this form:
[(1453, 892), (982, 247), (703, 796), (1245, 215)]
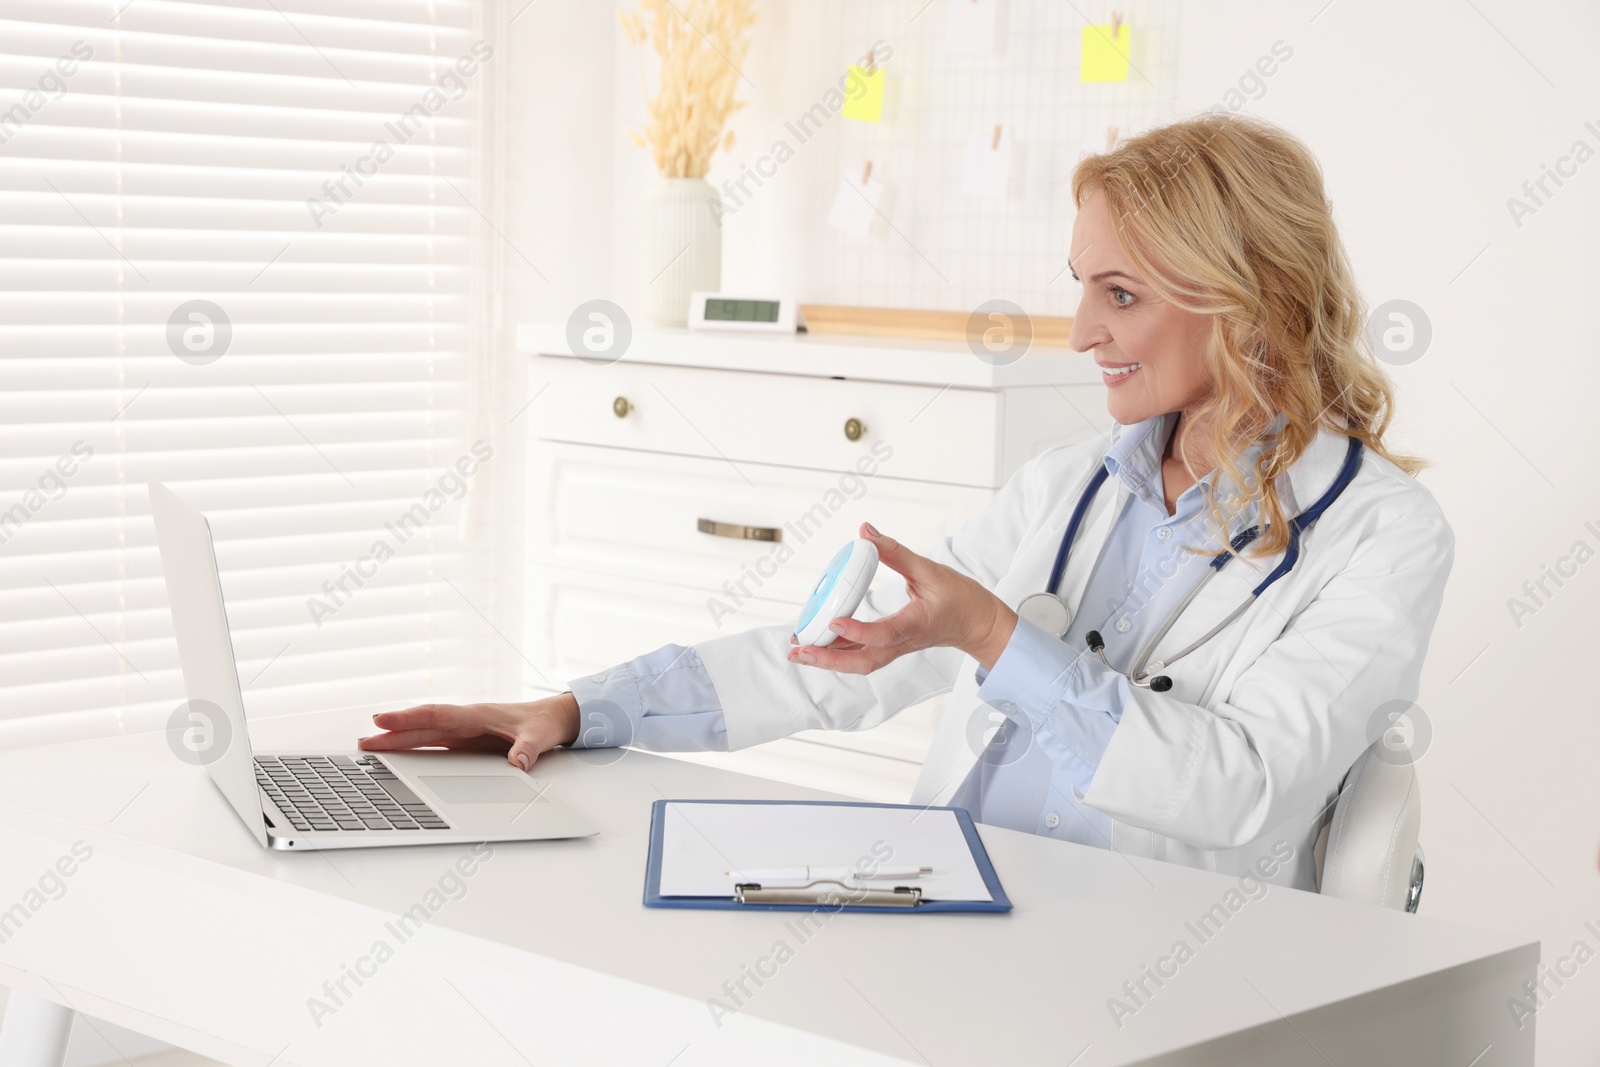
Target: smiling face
[(1150, 351)]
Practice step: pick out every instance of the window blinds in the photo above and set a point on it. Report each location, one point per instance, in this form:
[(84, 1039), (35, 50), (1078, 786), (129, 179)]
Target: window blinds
[(236, 255)]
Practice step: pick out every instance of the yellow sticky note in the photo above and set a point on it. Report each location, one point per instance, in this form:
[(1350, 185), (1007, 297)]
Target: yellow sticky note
[(863, 99), (1105, 58)]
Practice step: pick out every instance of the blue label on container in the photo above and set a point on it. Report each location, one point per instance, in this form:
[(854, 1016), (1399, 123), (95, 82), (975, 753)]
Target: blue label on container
[(824, 586)]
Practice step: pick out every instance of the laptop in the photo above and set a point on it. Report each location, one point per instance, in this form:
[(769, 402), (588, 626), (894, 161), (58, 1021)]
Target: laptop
[(309, 801)]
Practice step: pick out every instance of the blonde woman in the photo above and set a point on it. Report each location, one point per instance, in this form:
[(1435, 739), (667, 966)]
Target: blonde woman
[(1209, 726)]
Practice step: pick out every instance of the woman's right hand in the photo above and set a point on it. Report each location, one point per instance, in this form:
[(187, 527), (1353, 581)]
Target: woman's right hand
[(521, 731)]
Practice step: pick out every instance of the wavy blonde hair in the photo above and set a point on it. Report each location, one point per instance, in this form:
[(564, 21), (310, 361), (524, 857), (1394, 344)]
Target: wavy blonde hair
[(1226, 216)]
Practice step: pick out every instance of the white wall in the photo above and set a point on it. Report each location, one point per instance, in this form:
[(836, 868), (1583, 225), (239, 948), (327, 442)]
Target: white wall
[(1426, 119), (560, 147), (556, 219)]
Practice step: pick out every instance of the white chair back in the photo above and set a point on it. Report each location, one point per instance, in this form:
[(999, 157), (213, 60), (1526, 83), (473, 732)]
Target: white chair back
[(1369, 850)]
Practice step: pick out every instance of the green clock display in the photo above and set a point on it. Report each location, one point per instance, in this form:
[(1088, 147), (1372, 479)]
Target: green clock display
[(720, 310)]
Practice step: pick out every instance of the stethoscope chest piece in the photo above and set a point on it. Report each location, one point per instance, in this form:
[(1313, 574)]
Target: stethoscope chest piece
[(1047, 611)]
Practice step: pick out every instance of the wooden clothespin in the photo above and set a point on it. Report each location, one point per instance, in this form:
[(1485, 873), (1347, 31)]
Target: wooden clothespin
[(866, 174), (1116, 24), (1111, 138), (994, 142), (871, 63)]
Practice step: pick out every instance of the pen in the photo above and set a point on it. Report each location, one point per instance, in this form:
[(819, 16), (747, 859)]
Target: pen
[(764, 875)]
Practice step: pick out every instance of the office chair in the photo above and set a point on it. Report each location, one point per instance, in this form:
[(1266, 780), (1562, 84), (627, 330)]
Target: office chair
[(1368, 851)]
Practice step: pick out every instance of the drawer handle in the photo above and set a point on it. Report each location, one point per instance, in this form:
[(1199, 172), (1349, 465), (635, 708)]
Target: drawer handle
[(739, 533), (621, 406), (854, 429)]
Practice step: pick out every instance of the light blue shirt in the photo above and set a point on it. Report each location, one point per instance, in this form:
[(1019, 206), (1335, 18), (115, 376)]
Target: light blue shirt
[(1057, 706)]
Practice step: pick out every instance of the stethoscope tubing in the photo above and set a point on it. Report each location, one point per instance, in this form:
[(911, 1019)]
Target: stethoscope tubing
[(1086, 496), (1137, 674)]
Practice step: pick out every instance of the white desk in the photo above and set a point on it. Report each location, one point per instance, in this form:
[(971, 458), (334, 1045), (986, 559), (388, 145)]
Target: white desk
[(181, 927)]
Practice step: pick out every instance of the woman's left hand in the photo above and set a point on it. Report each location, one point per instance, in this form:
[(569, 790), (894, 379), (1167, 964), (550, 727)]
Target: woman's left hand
[(947, 610)]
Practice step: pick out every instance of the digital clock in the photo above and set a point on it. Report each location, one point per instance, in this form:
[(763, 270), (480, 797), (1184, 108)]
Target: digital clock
[(734, 311)]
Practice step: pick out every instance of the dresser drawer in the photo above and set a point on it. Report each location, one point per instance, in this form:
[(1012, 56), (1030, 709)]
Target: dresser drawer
[(580, 623), (937, 434), (644, 515)]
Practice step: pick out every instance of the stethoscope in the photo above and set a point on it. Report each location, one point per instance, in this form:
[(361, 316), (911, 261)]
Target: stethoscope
[(1049, 612)]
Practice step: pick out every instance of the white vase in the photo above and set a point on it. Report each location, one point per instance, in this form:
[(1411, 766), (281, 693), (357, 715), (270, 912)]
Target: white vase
[(680, 247)]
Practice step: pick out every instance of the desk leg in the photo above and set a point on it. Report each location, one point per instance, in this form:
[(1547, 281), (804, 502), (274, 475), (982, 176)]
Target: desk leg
[(35, 1032)]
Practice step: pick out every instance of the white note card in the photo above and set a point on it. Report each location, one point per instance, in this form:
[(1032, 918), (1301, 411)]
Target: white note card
[(987, 170), (705, 845), (856, 205), (974, 27)]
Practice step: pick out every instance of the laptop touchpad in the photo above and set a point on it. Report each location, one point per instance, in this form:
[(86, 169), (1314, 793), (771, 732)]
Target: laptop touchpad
[(478, 788)]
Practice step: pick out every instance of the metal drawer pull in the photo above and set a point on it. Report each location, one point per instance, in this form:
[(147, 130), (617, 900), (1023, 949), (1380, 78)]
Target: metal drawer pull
[(739, 533), (621, 406), (854, 429)]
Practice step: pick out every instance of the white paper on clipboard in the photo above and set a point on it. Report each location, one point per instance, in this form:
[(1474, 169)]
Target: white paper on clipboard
[(702, 842)]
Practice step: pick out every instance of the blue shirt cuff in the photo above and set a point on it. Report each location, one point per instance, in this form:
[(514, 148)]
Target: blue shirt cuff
[(1068, 694), (664, 701)]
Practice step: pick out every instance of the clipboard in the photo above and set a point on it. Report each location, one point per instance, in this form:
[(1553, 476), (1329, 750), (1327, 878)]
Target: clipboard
[(834, 897)]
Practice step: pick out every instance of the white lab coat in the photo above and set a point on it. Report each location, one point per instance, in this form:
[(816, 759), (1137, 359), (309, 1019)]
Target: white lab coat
[(1247, 749)]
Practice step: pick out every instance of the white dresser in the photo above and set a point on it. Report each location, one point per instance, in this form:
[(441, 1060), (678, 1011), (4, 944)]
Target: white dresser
[(698, 485)]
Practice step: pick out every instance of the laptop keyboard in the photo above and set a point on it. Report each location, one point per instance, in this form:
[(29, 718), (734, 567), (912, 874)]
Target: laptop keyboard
[(343, 793)]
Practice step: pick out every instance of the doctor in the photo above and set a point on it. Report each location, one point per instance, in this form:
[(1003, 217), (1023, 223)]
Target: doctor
[(1146, 701)]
